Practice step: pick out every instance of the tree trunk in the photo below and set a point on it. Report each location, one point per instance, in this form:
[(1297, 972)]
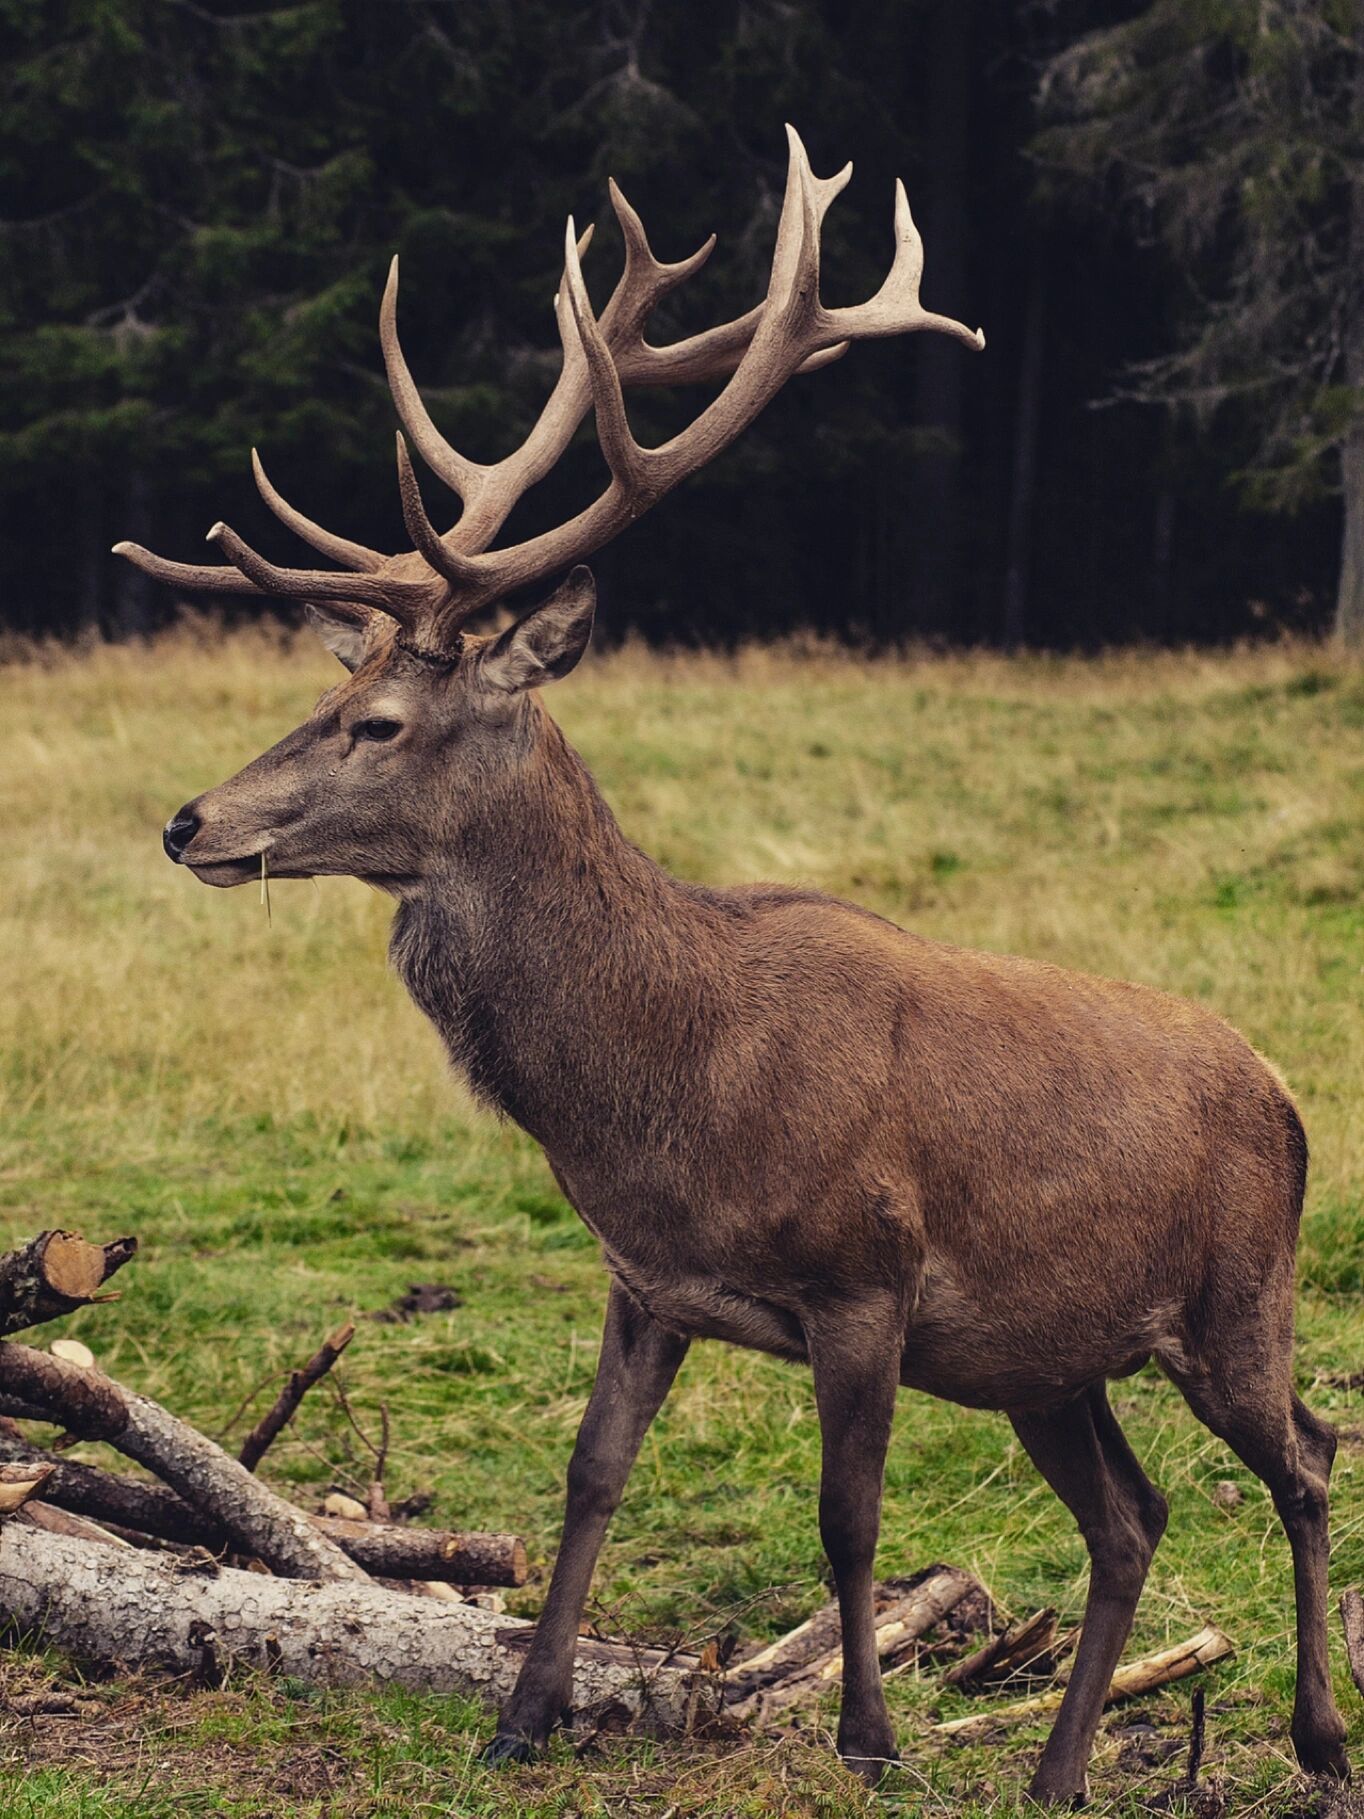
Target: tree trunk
[(939, 371), (1350, 593), (1349, 625), (1023, 491)]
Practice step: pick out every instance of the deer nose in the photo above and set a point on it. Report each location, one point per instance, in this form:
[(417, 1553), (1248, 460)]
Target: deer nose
[(178, 832)]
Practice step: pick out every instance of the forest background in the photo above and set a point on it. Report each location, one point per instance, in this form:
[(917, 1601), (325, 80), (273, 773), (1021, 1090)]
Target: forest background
[(1157, 213)]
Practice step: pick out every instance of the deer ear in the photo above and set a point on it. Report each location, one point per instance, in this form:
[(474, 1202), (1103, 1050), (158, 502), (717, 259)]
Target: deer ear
[(546, 643), (343, 637)]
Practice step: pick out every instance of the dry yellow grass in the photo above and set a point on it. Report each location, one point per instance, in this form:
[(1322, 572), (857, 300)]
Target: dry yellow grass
[(1185, 819)]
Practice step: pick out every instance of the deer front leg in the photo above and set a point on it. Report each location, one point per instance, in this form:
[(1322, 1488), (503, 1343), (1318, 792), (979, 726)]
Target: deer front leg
[(635, 1371), (855, 1355)]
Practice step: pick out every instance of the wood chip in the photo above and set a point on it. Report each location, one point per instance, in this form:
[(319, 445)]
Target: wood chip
[(74, 1353)]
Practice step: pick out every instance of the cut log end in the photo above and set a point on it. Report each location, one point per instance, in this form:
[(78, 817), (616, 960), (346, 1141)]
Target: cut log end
[(73, 1267)]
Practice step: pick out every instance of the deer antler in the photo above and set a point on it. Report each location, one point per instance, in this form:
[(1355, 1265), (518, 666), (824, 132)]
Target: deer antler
[(434, 589)]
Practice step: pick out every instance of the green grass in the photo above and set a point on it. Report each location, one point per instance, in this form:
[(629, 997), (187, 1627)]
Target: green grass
[(260, 1104)]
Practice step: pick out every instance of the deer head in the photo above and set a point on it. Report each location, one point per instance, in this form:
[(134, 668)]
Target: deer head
[(378, 772)]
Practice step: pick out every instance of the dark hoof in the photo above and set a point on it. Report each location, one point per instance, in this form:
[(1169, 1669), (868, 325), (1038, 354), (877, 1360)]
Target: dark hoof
[(1327, 1757), (871, 1769), (509, 1746), (1049, 1793)]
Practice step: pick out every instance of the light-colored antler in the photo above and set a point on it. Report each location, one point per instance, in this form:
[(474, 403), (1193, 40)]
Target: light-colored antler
[(435, 588)]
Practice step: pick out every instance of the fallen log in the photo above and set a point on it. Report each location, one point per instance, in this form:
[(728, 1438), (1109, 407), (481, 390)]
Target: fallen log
[(105, 1604), (385, 1550), (392, 1552), (49, 1389), (255, 1519), (815, 1638), (54, 1274), (809, 1641), (897, 1625), (1128, 1682), (262, 1436)]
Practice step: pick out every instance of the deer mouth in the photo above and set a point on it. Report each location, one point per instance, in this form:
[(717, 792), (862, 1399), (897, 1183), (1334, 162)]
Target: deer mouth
[(223, 873)]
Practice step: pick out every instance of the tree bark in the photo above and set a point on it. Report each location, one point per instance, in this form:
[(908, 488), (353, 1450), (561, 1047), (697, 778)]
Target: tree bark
[(54, 1390), (108, 1604), (392, 1552)]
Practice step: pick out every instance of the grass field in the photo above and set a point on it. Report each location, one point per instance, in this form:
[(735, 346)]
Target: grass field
[(261, 1105)]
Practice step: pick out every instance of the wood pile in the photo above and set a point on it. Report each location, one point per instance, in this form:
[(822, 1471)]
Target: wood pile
[(200, 1565)]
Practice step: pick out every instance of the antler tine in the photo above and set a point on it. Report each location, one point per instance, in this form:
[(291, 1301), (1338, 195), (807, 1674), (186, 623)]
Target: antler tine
[(489, 493), (790, 332), (202, 578), (459, 571), (326, 543), (405, 601), (715, 352), (794, 285), (895, 309), (646, 275), (460, 475), (784, 338), (624, 456)]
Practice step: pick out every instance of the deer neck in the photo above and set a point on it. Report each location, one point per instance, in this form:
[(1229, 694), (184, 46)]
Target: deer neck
[(570, 978)]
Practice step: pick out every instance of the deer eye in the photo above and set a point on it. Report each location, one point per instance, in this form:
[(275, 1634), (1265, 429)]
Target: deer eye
[(378, 730)]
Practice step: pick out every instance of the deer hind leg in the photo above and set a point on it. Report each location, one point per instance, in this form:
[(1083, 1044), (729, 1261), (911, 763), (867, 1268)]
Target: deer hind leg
[(1244, 1393), (635, 1371), (855, 1357), (1081, 1452)]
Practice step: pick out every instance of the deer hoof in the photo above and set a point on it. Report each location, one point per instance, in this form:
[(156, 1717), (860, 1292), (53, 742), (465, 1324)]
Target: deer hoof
[(871, 1769), (510, 1746), (1048, 1790), (1324, 1757)]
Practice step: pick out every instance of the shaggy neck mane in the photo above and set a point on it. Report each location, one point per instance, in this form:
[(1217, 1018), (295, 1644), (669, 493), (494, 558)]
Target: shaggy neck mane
[(551, 955)]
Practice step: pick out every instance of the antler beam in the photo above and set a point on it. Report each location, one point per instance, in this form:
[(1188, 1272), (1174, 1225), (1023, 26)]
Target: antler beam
[(446, 577)]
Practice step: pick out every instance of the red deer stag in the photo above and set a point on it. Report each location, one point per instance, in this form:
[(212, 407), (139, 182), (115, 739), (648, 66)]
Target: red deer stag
[(791, 1125)]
